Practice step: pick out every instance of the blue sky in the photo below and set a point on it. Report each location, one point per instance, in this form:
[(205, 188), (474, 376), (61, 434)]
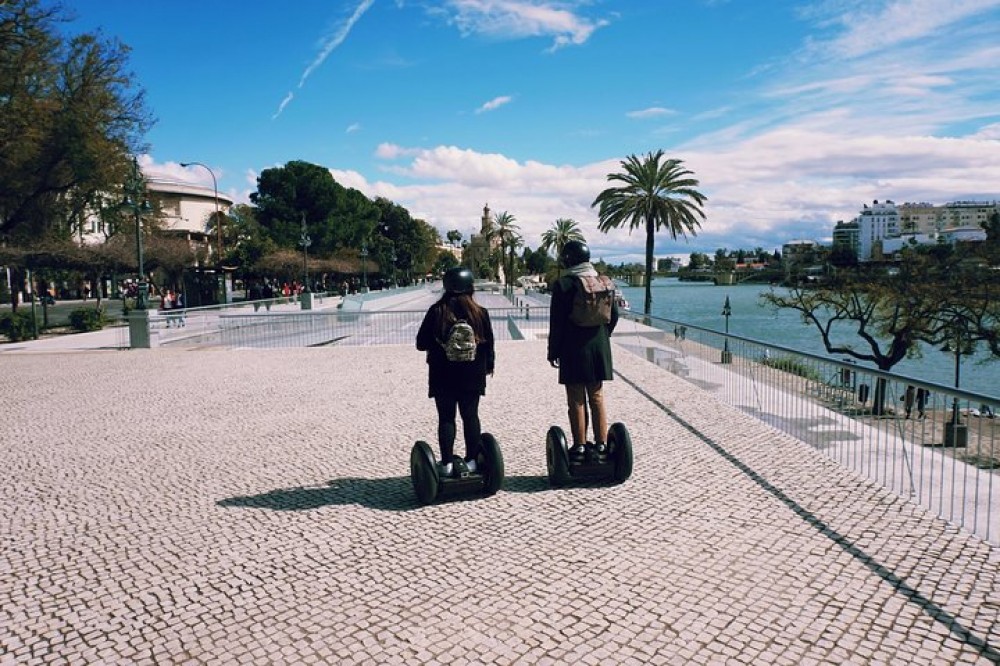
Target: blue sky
[(792, 114)]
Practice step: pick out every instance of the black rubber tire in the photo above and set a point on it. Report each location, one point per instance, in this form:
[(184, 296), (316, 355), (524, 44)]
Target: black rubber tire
[(424, 473), (557, 457), (620, 443), (493, 470)]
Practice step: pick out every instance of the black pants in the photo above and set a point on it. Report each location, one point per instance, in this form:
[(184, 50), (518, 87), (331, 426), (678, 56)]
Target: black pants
[(468, 406)]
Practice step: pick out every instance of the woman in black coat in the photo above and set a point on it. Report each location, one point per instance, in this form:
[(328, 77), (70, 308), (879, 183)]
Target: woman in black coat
[(457, 385), (582, 353)]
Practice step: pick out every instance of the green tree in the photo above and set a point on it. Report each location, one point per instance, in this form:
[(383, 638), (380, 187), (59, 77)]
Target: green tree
[(881, 318), (454, 237), (506, 229), (336, 217), (654, 194), (70, 116), (699, 260), (444, 261), (561, 232)]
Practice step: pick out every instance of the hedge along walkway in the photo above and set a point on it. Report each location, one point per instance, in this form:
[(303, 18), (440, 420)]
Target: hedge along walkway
[(256, 507)]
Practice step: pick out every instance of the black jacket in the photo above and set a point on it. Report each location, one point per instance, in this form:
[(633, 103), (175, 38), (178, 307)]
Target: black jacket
[(584, 354), (455, 378)]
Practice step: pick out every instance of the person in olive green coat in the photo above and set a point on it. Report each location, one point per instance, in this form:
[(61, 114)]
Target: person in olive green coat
[(582, 354)]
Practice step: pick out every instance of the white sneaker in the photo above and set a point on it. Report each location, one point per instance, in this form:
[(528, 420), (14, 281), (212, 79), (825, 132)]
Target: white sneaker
[(471, 464)]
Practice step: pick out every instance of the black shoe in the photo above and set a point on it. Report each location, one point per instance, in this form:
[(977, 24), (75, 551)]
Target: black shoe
[(458, 468), (578, 451), (591, 454)]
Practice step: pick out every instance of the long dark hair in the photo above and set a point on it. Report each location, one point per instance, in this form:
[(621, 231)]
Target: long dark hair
[(453, 307)]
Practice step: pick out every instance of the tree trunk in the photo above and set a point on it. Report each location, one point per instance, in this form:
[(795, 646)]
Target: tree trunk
[(648, 304)]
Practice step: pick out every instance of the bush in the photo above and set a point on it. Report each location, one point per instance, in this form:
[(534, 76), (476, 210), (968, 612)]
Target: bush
[(16, 326), (87, 319), (789, 364)]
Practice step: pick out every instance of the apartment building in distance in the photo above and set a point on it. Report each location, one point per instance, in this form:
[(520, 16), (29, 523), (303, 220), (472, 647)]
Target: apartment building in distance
[(883, 228)]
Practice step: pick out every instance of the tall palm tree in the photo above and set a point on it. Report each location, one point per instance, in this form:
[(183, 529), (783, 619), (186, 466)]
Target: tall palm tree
[(506, 230), (561, 232), (653, 194)]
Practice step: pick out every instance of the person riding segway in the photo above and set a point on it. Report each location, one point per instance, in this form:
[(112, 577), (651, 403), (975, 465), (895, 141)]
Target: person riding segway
[(457, 336), (582, 317)]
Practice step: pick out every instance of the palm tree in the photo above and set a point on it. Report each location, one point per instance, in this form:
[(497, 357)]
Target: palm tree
[(506, 230), (654, 195), (561, 232)]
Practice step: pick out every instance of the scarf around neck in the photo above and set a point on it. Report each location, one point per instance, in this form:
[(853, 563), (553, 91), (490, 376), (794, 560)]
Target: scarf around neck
[(586, 269)]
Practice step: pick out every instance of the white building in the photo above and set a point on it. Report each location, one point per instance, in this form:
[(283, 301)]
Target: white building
[(875, 224), (184, 210)]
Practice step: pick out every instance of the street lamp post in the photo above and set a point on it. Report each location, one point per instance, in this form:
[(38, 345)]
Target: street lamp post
[(955, 432), (218, 223), (727, 311), (305, 242), (392, 258), (364, 268), (136, 201)]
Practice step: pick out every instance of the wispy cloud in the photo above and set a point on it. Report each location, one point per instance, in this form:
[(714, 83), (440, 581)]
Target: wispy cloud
[(352, 128), (515, 19), (877, 26), (495, 103), (281, 107), (328, 44), (651, 112)]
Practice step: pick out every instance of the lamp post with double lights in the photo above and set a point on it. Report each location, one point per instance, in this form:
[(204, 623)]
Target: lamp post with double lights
[(135, 201), (218, 223), (727, 311)]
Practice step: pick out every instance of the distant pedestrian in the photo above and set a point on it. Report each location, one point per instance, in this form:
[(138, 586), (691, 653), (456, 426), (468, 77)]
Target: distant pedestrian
[(909, 397), (922, 396)]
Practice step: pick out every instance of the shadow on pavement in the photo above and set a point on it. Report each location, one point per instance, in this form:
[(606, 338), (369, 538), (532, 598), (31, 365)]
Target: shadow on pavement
[(392, 494)]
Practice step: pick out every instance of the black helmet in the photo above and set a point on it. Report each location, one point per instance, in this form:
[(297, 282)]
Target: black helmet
[(574, 252), (458, 280)]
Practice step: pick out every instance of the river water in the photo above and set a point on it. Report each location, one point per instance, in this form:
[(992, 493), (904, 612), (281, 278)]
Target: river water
[(700, 303)]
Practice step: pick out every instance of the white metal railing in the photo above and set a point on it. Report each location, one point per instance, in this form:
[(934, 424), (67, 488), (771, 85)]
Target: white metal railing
[(937, 445)]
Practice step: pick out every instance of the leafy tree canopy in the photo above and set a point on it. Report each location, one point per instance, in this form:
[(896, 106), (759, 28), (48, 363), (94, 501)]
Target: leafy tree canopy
[(70, 114)]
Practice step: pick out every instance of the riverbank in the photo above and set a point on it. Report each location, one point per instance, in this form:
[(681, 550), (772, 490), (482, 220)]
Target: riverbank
[(981, 433), (701, 304)]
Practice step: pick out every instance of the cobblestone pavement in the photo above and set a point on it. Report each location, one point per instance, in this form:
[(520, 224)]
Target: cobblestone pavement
[(255, 507)]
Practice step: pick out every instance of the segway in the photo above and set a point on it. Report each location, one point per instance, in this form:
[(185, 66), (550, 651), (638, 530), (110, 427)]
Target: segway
[(431, 485), (615, 464)]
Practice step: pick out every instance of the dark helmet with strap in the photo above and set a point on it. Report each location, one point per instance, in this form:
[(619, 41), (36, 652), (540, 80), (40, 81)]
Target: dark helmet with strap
[(574, 252), (458, 280)]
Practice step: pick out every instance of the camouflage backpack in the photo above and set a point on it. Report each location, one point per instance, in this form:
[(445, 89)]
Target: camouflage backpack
[(461, 343)]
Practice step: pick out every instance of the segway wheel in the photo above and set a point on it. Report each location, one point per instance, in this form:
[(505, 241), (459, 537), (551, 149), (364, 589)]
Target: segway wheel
[(557, 456), (494, 471), (424, 473), (620, 444)]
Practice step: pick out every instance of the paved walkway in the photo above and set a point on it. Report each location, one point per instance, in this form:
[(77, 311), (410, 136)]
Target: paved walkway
[(255, 506)]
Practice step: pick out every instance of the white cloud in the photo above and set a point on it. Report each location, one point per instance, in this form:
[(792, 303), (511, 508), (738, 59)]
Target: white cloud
[(352, 128), (651, 112), (281, 107), (878, 26), (514, 19), (327, 45), (495, 103)]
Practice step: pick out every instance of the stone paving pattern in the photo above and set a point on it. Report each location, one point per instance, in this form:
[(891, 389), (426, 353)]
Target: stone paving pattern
[(255, 507)]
